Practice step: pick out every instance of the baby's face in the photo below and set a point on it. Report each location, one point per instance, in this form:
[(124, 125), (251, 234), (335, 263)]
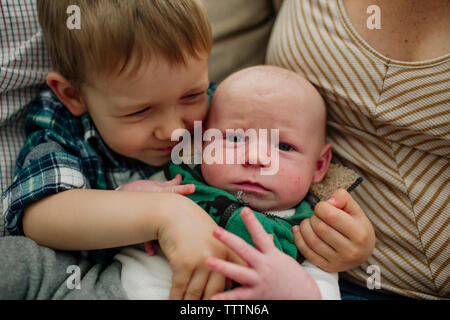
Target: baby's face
[(136, 114), (301, 142)]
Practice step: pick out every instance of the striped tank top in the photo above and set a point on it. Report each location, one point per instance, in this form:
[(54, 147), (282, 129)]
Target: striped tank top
[(390, 121)]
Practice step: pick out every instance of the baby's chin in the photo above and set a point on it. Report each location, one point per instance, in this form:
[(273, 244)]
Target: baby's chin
[(262, 204)]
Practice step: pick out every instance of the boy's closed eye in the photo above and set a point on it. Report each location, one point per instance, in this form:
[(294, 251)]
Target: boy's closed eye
[(193, 97), (139, 113), (187, 99)]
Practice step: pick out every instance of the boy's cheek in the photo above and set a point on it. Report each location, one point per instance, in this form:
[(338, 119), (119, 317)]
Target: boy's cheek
[(128, 145)]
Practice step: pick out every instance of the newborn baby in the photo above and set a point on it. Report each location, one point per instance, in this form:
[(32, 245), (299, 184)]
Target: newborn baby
[(262, 97)]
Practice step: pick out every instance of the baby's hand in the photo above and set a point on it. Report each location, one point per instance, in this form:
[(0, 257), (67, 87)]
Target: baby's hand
[(172, 186), (271, 273), (338, 237)]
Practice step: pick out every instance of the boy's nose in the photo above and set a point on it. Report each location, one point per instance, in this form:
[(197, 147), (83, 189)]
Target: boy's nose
[(166, 127)]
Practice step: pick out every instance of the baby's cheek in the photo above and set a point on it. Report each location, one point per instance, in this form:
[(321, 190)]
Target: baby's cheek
[(213, 174), (293, 188)]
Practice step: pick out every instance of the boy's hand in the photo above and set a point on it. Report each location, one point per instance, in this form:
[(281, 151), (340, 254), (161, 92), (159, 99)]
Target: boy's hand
[(271, 273), (186, 238), (172, 186), (338, 237)]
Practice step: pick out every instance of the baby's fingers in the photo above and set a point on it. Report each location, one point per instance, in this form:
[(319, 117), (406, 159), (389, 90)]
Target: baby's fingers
[(306, 251), (238, 245), (260, 237), (240, 274)]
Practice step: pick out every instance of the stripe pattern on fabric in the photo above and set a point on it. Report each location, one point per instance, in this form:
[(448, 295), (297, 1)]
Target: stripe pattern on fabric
[(389, 121)]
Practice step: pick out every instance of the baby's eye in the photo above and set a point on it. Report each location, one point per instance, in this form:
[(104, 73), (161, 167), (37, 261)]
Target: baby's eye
[(235, 138), (285, 147)]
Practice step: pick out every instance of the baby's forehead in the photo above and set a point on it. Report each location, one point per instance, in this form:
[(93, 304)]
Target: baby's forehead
[(265, 115), (266, 103)]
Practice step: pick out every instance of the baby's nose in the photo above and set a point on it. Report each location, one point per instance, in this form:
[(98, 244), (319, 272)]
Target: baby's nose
[(258, 155)]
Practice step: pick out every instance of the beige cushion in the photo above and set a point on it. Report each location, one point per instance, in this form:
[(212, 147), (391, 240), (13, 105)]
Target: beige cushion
[(241, 31)]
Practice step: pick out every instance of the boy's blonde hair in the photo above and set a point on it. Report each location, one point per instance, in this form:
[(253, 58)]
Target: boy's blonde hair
[(116, 34)]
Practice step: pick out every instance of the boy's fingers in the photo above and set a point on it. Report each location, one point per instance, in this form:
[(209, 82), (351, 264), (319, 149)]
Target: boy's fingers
[(174, 182), (180, 280), (240, 274), (197, 285), (241, 293), (238, 245), (216, 283), (182, 189), (259, 236)]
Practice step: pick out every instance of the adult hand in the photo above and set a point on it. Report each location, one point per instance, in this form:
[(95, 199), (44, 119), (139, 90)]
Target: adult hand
[(338, 237), (270, 274)]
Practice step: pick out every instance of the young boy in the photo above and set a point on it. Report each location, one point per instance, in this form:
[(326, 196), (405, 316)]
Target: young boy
[(267, 98), (134, 72)]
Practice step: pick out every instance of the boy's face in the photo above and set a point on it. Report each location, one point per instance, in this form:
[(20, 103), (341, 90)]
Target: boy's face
[(300, 145), (136, 114)]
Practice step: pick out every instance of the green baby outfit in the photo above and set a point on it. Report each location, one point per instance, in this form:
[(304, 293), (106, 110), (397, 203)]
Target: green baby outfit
[(224, 208)]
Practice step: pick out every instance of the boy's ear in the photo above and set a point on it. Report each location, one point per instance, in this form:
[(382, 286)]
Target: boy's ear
[(322, 164), (66, 93)]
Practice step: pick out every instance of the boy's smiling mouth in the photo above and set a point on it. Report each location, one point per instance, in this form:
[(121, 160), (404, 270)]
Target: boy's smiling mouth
[(166, 150)]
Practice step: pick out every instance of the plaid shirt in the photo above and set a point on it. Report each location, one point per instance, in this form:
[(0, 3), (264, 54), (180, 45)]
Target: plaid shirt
[(62, 152)]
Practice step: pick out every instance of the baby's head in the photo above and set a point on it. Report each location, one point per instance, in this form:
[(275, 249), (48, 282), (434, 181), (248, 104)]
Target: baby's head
[(137, 67), (267, 97)]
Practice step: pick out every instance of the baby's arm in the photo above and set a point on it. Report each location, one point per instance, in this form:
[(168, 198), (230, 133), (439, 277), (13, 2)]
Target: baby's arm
[(271, 273), (338, 237)]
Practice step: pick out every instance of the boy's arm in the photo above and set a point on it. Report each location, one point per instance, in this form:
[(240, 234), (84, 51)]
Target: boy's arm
[(93, 219), (83, 219)]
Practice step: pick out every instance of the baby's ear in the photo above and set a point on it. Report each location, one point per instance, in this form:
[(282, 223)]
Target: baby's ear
[(322, 164), (66, 93)]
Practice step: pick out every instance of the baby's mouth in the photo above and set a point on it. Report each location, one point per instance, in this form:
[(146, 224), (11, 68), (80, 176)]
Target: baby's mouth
[(252, 187)]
